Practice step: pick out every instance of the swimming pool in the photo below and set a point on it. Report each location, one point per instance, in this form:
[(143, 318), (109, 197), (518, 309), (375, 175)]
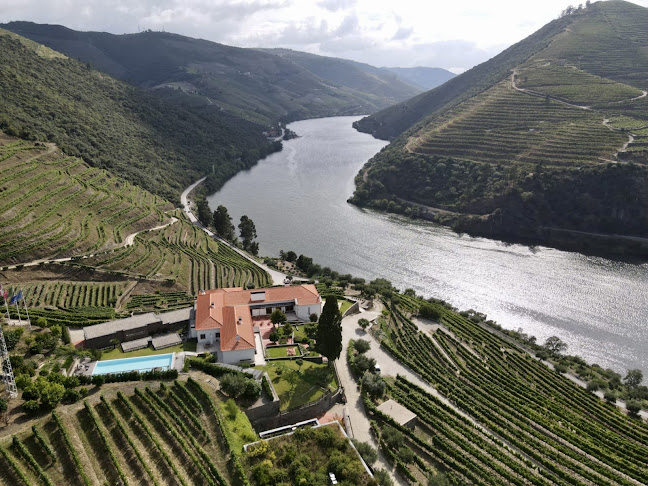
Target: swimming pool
[(141, 363)]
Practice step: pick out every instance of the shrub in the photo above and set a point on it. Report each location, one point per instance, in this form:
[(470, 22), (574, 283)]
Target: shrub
[(313, 317), (31, 407), (363, 323), (392, 437), (274, 336), (383, 478), (71, 396)]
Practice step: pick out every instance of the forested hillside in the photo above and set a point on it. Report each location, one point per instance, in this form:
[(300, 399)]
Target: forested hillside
[(157, 145), (552, 134), (255, 85)]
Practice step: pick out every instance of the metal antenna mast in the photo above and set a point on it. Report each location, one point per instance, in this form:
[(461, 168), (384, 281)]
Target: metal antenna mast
[(6, 372)]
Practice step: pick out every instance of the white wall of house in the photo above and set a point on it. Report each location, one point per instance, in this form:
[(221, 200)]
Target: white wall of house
[(303, 312), (233, 357), (208, 336)]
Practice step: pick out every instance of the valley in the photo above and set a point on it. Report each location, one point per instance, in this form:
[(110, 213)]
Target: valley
[(258, 266)]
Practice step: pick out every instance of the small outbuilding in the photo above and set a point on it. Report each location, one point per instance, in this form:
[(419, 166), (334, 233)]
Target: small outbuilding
[(400, 414)]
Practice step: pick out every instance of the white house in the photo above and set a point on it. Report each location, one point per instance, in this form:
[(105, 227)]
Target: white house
[(225, 318)]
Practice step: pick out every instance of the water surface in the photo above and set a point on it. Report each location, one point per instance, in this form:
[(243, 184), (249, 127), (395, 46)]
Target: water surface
[(297, 200)]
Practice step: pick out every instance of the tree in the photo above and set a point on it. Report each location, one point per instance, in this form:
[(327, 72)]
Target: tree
[(367, 452), (361, 346), (429, 311), (204, 214), (633, 407), (373, 384), (223, 224), (278, 317), (114, 342), (329, 330), (633, 379), (274, 336), (363, 323), (382, 476), (248, 233), (555, 345)]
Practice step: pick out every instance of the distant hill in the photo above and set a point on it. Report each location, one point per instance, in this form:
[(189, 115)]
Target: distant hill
[(424, 77), (550, 135), (252, 84), (158, 145), (352, 74)]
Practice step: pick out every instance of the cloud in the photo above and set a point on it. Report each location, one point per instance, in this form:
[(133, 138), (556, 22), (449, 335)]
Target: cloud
[(335, 5), (403, 33)]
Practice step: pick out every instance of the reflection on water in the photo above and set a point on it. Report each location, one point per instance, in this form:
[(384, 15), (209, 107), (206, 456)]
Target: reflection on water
[(297, 200)]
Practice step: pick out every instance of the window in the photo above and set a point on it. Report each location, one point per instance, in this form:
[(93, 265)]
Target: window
[(203, 336)]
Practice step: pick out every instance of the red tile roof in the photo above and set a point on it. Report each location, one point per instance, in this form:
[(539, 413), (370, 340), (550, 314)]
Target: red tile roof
[(228, 310)]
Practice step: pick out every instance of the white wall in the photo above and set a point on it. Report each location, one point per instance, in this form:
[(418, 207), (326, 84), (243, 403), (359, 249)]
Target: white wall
[(210, 335), (233, 357), (303, 312)]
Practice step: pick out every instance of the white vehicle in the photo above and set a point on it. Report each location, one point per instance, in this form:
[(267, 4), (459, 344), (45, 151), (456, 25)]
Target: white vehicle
[(377, 368)]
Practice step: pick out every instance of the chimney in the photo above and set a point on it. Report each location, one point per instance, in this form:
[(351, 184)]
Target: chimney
[(238, 338), (240, 320)]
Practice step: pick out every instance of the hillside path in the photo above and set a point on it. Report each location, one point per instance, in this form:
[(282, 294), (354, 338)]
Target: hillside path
[(543, 95), (128, 241)]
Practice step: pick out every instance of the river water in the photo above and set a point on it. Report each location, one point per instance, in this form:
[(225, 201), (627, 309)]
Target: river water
[(297, 200)]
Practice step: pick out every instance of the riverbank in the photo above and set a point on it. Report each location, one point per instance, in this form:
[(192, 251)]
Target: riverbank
[(297, 200)]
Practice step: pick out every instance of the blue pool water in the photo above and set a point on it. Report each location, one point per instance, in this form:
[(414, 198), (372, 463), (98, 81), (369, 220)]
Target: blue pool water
[(142, 363)]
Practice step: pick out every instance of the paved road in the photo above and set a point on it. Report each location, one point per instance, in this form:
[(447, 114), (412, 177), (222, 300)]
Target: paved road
[(354, 407)]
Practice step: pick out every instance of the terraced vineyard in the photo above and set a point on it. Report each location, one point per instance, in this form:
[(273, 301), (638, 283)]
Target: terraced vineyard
[(162, 300), (54, 206), (571, 84), (71, 294), (165, 436), (505, 126), (512, 419), (185, 254)]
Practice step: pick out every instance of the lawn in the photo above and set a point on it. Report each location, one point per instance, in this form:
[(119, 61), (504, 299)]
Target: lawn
[(281, 351), (345, 304), (117, 352), (297, 385)]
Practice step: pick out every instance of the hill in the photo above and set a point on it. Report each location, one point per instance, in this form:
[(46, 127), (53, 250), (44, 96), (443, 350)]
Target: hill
[(81, 242), (150, 142), (355, 75), (252, 84), (550, 135), (424, 77)]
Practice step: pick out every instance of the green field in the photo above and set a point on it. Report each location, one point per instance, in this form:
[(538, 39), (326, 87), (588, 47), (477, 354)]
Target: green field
[(171, 436), (512, 420)]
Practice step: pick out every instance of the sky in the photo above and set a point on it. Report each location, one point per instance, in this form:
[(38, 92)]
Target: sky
[(454, 35)]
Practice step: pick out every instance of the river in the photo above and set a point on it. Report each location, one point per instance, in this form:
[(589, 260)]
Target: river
[(297, 200)]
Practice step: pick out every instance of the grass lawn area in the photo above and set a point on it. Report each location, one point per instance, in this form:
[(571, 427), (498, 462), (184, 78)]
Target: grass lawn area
[(281, 352), (118, 354), (345, 305), (300, 332), (237, 425), (297, 385)]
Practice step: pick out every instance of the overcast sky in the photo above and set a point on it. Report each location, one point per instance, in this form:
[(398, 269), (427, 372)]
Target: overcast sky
[(453, 35)]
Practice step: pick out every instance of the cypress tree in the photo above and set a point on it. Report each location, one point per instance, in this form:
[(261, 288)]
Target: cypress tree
[(329, 330)]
